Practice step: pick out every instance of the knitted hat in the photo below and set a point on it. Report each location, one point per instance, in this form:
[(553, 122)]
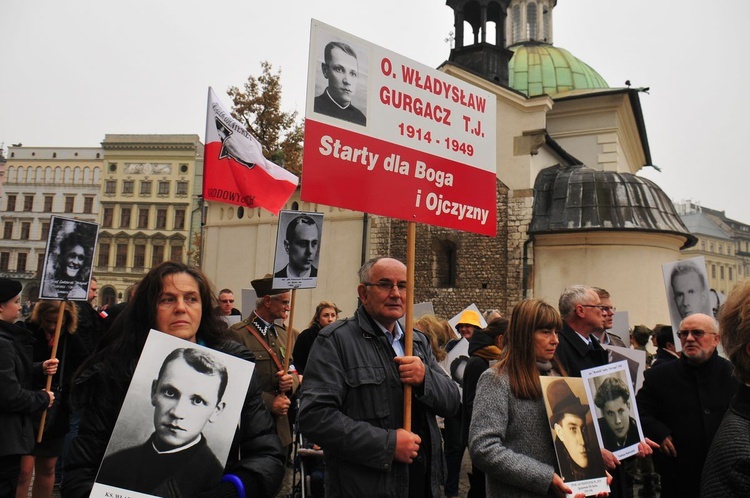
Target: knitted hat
[(9, 289)]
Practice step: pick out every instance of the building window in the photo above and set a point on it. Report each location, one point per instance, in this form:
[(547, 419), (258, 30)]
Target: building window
[(125, 217), (39, 264), (721, 249), (48, 203), (139, 257), (516, 28), (176, 253), (161, 218), (711, 247), (157, 255), (21, 263), (446, 263), (163, 188), (121, 258), (107, 217), (713, 271), (88, 205), (179, 219), (103, 254), (721, 272), (25, 230), (531, 21), (4, 260), (127, 186), (145, 188), (45, 231), (69, 202), (731, 274), (8, 230), (110, 187), (182, 188), (703, 245), (28, 203), (11, 206), (142, 217)]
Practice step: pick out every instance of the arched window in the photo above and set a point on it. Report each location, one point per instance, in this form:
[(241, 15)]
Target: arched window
[(516, 26), (532, 23), (11, 174)]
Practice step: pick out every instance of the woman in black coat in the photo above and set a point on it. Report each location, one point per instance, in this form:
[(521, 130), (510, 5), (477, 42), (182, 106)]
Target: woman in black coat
[(18, 401), (176, 299)]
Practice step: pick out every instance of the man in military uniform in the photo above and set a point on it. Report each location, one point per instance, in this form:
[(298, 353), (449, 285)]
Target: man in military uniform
[(267, 341)]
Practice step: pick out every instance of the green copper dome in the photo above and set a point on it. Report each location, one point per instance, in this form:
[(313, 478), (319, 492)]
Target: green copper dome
[(541, 69)]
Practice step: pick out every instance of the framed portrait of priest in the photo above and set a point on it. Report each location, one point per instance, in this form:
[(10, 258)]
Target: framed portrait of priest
[(68, 259), (175, 428), (298, 244)]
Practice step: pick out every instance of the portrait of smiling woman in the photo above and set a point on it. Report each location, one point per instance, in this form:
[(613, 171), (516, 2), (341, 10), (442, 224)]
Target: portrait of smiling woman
[(69, 257)]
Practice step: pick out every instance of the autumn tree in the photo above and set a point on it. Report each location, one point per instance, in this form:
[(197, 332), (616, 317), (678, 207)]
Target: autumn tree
[(258, 106)]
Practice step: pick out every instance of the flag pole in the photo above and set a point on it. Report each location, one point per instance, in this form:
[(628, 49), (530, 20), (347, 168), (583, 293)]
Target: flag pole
[(411, 235), (55, 342)]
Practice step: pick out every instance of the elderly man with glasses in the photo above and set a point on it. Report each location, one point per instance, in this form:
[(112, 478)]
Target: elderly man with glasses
[(682, 403), (352, 402), (583, 314)]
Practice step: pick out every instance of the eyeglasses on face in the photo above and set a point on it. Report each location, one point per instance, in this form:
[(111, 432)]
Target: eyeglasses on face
[(601, 308), (226, 301), (284, 302), (387, 285), (695, 333)]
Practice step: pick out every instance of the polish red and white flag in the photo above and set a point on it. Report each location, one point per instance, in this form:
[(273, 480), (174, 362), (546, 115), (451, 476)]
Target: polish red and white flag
[(234, 169)]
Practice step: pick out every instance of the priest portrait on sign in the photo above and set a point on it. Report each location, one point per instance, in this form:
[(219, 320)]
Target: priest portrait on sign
[(341, 86)]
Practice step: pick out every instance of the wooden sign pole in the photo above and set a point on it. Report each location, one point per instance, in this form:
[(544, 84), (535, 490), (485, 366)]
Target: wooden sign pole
[(55, 342), (411, 236)]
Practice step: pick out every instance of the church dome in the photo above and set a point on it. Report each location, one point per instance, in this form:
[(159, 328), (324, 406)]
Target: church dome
[(576, 198), (542, 69)]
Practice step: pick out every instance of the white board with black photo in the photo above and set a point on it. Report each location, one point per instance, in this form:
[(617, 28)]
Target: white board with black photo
[(688, 291), (612, 398), (177, 423), (68, 259), (298, 242)]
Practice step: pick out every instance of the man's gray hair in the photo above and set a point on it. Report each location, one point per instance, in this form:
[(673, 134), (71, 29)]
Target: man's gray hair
[(571, 297), (366, 269), (259, 300)]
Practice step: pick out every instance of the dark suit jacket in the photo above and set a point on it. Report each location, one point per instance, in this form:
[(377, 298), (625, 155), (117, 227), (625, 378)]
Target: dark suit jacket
[(575, 355), (282, 273), (687, 402)]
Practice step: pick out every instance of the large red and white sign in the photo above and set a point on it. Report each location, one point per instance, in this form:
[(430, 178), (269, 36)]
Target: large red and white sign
[(389, 136)]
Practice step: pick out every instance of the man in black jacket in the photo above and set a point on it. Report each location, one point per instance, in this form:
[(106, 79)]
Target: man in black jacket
[(582, 314), (682, 403)]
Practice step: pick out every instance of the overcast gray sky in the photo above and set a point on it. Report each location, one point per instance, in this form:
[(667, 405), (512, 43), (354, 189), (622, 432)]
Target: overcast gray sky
[(75, 70)]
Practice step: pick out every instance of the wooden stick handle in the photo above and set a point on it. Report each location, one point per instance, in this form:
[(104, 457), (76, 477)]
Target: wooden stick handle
[(55, 342), (411, 236)]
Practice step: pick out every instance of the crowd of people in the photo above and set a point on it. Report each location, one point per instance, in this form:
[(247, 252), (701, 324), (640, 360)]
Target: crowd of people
[(512, 403)]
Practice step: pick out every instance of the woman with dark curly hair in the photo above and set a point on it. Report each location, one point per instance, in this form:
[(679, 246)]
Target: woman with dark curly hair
[(176, 299)]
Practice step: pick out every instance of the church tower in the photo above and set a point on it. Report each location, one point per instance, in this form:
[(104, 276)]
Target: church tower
[(489, 58)]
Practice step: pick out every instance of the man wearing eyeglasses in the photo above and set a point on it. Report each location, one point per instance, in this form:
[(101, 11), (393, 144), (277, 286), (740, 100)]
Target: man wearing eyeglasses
[(226, 303), (583, 314), (682, 403), (267, 341), (352, 400), (602, 334)]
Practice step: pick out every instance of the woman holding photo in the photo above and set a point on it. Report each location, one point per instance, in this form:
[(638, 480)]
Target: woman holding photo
[(175, 299), (509, 437)]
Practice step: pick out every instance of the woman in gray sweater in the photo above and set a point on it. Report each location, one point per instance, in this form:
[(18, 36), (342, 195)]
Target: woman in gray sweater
[(509, 437)]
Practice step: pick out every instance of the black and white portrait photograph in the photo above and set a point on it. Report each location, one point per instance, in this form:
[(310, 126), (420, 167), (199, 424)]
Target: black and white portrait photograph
[(612, 399), (576, 445), (688, 290), (297, 250), (341, 79), (68, 259), (176, 425)]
